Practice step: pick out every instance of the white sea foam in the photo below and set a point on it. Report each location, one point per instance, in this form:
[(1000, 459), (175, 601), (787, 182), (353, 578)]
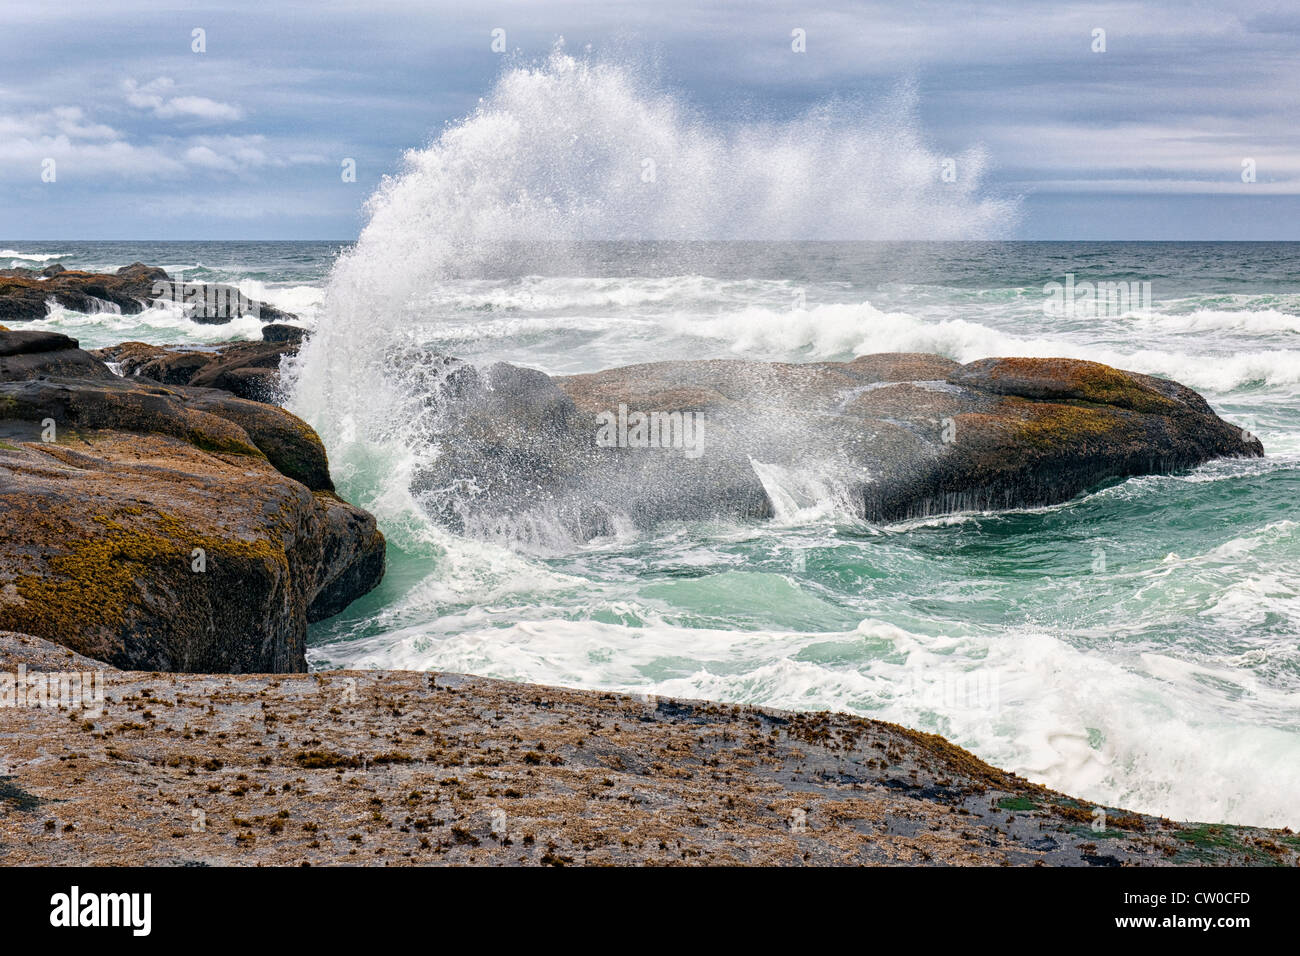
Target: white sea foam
[(1250, 321), (302, 300), (844, 330), (164, 323), (566, 294), (1122, 732), (799, 496), (32, 256)]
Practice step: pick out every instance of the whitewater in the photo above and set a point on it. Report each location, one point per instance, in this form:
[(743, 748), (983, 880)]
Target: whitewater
[(1138, 646)]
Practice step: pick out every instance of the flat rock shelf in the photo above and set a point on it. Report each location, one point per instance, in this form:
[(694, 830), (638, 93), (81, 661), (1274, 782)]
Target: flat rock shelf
[(406, 768)]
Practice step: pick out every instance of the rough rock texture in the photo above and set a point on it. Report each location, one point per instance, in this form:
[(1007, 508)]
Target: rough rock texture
[(248, 369), (892, 436), (31, 354), (279, 332), (25, 292), (413, 768), (173, 528)]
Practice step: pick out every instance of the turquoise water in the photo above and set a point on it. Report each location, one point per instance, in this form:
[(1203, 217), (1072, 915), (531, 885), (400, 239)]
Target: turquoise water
[(1137, 646)]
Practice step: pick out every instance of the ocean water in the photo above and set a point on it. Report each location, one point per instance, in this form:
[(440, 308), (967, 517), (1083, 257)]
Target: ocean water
[(1138, 646)]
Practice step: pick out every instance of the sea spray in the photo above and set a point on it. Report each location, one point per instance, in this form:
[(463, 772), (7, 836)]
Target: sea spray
[(557, 152)]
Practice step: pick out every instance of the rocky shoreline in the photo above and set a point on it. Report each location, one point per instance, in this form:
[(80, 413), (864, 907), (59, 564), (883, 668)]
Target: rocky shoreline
[(174, 530), (403, 768), (247, 369), (166, 527), (25, 294)]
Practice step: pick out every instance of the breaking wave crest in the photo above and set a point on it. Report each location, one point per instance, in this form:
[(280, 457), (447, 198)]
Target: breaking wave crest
[(579, 149)]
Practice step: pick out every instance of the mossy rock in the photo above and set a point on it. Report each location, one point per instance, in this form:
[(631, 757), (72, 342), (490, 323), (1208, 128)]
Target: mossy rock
[(171, 528)]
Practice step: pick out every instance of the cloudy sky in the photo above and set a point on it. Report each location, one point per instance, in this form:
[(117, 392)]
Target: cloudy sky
[(152, 140)]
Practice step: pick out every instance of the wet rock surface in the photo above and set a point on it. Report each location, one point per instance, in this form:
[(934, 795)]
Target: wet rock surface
[(24, 294), (248, 369), (31, 354), (402, 768), (887, 437)]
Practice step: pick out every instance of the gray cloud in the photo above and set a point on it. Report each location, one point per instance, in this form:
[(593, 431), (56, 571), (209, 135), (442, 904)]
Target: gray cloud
[(1182, 95)]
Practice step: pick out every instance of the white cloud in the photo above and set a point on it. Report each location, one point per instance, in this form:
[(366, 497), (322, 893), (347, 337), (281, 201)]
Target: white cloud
[(148, 96), (155, 97), (240, 206), (199, 107), (84, 149), (79, 148), (1154, 157), (64, 121), (206, 156), (240, 154), (1189, 187), (21, 159)]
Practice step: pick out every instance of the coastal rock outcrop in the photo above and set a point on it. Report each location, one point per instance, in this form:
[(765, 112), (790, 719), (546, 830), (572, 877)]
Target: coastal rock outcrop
[(24, 294), (31, 354), (166, 527), (885, 437), (248, 369), (282, 332)]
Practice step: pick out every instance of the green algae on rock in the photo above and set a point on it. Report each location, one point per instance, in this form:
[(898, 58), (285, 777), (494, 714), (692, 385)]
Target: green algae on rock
[(896, 436), (173, 528)]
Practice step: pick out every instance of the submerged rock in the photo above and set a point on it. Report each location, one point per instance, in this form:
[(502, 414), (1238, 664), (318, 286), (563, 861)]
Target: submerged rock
[(883, 437), (168, 527)]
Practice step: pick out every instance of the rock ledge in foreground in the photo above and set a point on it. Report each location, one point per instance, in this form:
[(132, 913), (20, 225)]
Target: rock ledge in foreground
[(392, 767)]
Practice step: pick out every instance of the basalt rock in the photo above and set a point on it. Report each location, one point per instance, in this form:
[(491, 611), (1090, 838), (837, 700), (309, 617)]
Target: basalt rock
[(31, 354), (884, 437), (279, 332), (248, 369), (170, 527), (25, 292)]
